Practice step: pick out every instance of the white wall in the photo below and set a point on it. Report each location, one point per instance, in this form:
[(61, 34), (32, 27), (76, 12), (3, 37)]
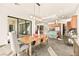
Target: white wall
[(3, 29)]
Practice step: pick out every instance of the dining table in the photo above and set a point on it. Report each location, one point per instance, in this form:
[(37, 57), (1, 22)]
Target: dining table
[(28, 40)]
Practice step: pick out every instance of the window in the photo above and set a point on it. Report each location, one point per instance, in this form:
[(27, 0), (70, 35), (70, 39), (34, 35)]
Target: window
[(20, 26), (24, 27), (10, 28), (40, 28)]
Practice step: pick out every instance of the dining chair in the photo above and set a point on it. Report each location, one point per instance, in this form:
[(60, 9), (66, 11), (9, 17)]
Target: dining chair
[(15, 46)]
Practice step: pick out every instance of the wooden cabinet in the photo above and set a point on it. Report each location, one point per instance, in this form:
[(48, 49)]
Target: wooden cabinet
[(51, 26), (68, 25), (74, 22)]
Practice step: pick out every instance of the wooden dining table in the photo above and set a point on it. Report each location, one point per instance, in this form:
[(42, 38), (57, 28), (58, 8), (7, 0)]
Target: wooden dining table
[(28, 39)]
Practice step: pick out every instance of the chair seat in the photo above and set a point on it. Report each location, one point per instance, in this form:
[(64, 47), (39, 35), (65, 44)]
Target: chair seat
[(24, 47)]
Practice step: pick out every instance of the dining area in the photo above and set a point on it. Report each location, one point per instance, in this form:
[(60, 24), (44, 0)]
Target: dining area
[(25, 43)]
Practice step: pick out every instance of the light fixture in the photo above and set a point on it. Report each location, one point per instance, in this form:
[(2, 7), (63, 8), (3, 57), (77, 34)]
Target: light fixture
[(36, 17), (38, 4), (16, 3), (39, 9)]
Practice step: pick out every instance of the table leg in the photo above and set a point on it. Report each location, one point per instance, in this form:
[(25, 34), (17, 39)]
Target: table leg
[(30, 49)]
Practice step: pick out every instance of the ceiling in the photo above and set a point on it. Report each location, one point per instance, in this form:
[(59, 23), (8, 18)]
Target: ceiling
[(46, 11)]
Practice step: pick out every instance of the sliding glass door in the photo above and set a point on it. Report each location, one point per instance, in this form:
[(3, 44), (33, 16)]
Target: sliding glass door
[(24, 27), (20, 26)]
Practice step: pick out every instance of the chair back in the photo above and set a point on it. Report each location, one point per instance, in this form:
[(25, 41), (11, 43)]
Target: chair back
[(14, 41)]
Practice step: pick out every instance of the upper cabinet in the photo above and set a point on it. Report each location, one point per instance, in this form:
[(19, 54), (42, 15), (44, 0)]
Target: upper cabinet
[(74, 22), (69, 25)]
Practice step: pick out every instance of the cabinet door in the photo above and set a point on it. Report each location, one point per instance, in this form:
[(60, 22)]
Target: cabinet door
[(68, 25), (74, 22)]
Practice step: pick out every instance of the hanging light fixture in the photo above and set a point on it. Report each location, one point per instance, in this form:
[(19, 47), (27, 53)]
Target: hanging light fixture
[(34, 17), (38, 4), (17, 4), (38, 11)]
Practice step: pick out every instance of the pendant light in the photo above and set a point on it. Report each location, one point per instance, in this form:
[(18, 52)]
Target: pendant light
[(38, 11)]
